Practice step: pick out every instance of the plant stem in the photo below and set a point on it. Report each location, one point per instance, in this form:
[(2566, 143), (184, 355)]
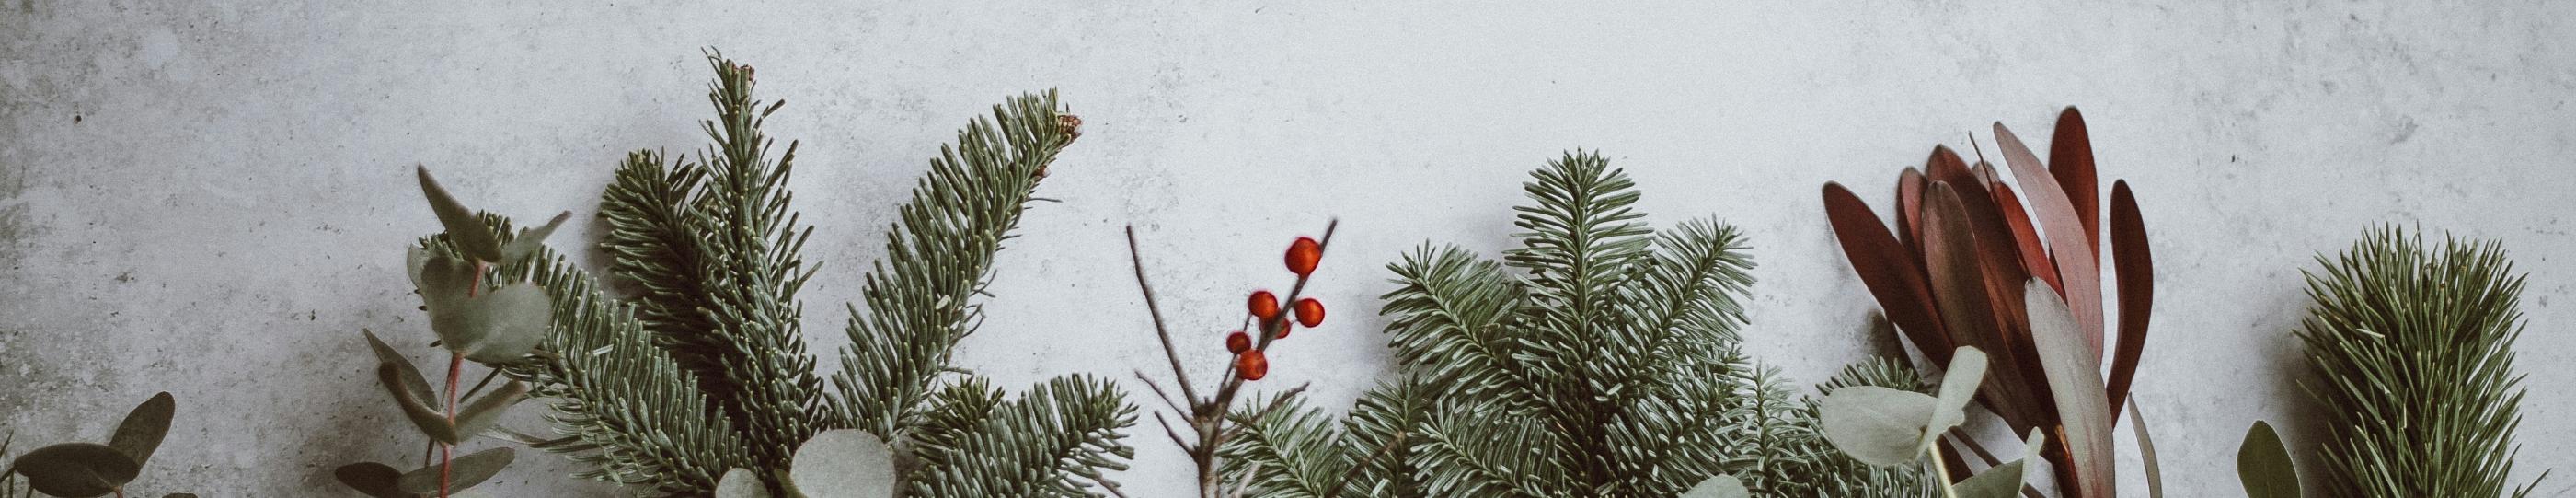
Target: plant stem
[(455, 365), (1947, 488)]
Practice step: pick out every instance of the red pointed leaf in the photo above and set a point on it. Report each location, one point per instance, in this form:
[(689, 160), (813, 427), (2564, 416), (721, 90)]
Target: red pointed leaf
[(2070, 160), (1909, 209), (1888, 271), (1945, 166), (2137, 275), (2034, 256), (2065, 235), (2017, 363), (1959, 288)]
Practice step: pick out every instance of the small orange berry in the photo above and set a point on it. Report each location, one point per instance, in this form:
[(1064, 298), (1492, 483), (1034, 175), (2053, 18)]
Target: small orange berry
[(1251, 365), (1303, 254), (1264, 305), (1310, 312), (1238, 342)]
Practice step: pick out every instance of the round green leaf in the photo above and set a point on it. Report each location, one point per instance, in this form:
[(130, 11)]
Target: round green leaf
[(843, 463), (2003, 481), (499, 326), (76, 470), (375, 479), (1877, 425), (1958, 386), (1722, 486), (2263, 464), (141, 432), (740, 483), (470, 470)]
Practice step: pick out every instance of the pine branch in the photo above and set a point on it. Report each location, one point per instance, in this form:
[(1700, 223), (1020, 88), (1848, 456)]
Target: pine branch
[(2414, 350), (921, 304), (1056, 440), (1450, 321), (629, 408), (1299, 450)]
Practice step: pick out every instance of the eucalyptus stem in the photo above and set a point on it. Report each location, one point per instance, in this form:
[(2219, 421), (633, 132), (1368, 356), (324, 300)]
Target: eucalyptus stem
[(455, 365), (1948, 487)]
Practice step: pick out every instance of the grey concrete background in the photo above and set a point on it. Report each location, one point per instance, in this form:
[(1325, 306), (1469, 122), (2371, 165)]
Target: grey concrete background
[(210, 198)]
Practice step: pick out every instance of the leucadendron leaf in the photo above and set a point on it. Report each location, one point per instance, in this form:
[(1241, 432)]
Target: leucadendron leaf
[(2263, 464), (1722, 486), (740, 483), (141, 432), (468, 234), (76, 470), (469, 470), (842, 463), (2003, 481)]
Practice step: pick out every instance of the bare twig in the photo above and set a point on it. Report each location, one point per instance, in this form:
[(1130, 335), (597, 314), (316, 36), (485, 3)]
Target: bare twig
[(1137, 258), (1207, 416)]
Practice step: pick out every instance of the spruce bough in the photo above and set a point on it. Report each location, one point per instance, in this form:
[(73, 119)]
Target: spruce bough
[(1600, 359), (704, 370)]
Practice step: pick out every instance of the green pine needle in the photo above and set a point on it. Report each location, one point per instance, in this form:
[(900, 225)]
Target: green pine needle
[(2413, 347)]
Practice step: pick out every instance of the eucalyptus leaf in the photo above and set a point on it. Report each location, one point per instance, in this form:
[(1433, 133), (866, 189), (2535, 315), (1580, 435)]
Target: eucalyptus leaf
[(407, 380), (1722, 486), (375, 479), (740, 483), (2003, 481), (141, 432), (496, 327), (76, 470), (2147, 452), (470, 235), (843, 463), (2263, 464), (414, 262), (428, 419), (481, 413), (530, 240), (1877, 425), (469, 470), (1958, 386)]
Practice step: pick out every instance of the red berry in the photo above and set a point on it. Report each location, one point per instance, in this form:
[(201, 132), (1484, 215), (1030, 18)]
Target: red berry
[(1264, 306), (1310, 312), (1238, 342), (1251, 365), (1303, 254)]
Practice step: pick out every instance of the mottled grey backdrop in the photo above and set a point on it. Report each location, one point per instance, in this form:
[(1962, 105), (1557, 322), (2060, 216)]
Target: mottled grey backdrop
[(210, 198)]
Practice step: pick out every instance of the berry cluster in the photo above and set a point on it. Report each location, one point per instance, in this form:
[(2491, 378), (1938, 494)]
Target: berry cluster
[(1249, 363)]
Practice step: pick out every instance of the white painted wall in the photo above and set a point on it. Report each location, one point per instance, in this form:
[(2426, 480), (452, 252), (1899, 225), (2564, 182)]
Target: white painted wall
[(210, 198)]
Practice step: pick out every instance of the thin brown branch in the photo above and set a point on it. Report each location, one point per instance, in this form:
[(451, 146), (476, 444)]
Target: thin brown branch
[(1158, 393), (1182, 375)]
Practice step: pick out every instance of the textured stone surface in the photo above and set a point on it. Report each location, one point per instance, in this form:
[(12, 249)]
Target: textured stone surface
[(210, 198)]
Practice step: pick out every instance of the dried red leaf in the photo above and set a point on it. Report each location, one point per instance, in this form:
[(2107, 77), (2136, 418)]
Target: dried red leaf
[(2065, 235), (1960, 291), (1888, 270), (2034, 256), (2137, 274), (2070, 161), (1909, 206)]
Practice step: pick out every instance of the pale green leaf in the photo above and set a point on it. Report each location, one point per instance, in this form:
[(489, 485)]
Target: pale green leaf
[(2074, 373), (530, 240), (77, 470), (1958, 386), (422, 415), (140, 434), (843, 463), (469, 235), (469, 470), (481, 413), (740, 483), (2263, 464), (1877, 425), (2003, 481)]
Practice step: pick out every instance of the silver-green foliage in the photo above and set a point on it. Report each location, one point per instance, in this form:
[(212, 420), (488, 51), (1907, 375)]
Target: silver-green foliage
[(2413, 347), (705, 369), (1599, 359)]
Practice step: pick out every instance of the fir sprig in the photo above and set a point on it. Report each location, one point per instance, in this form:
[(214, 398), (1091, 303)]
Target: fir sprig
[(2413, 347)]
